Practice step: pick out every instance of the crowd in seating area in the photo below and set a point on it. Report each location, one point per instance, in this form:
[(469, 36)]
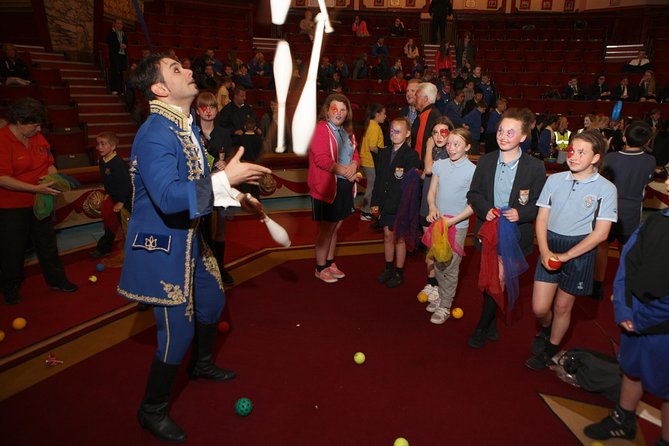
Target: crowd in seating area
[(371, 58)]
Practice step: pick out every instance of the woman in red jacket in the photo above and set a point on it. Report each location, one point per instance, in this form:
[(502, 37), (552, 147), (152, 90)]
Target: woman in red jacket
[(333, 166)]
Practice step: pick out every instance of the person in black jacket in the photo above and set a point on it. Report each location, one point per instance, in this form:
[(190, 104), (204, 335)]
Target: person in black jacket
[(117, 42), (394, 164), (504, 178), (439, 10)]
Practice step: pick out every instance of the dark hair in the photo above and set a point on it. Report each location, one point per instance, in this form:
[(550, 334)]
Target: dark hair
[(372, 110), (524, 115), (551, 119), (238, 89), (26, 111), (597, 141), (323, 115), (443, 120), (147, 74), (250, 123), (637, 134)]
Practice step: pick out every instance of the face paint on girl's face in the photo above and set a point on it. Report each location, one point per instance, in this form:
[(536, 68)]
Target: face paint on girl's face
[(440, 134), (570, 151), (510, 133)]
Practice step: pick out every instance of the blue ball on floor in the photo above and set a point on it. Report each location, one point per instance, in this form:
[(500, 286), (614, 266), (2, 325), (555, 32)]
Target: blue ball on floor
[(100, 267)]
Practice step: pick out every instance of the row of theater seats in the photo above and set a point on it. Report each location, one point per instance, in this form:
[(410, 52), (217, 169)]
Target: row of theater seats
[(548, 46), (196, 26)]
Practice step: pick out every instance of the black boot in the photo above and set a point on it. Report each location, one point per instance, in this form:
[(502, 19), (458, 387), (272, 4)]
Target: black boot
[(487, 319), (153, 412), (105, 245), (202, 364), (219, 252)]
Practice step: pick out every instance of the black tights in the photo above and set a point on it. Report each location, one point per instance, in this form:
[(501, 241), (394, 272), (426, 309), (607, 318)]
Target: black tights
[(487, 313)]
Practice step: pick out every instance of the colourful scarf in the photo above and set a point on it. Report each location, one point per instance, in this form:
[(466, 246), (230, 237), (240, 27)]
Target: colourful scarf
[(43, 206), (500, 240)]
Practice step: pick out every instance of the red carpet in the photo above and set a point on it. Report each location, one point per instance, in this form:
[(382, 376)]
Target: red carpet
[(51, 312), (292, 343)]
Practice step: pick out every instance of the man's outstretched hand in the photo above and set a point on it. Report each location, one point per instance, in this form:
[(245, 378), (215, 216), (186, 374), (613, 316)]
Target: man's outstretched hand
[(239, 172)]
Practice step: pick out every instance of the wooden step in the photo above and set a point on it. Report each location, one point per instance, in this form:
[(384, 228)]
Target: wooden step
[(99, 89), (103, 98), (99, 107), (97, 117), (43, 56), (124, 138), (61, 64), (81, 81), (81, 72), (117, 127)]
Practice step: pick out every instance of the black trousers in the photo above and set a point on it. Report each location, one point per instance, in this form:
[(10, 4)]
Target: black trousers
[(438, 26), (18, 226), (118, 63)]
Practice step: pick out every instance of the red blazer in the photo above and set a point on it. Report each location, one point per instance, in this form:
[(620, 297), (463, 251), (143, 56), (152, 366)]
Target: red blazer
[(395, 86)]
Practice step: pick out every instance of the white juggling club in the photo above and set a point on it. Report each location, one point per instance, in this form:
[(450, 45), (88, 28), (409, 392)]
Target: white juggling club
[(304, 119), (283, 73)]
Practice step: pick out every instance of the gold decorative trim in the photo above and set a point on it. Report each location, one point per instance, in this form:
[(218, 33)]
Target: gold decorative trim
[(192, 152), (210, 263), (167, 330), (166, 111), (188, 269), (178, 298)]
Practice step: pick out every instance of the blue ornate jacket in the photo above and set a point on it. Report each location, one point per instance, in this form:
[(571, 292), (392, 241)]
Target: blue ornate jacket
[(172, 190)]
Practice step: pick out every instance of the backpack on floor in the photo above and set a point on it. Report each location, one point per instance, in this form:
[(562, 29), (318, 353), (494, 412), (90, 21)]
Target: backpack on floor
[(594, 371)]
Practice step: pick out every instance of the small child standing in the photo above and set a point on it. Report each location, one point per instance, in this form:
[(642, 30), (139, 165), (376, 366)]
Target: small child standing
[(630, 170), (576, 210), (451, 179), (641, 304), (394, 164), (435, 150), (118, 190)]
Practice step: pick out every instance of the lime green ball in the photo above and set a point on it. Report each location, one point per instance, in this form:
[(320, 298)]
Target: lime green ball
[(401, 441), (359, 358)]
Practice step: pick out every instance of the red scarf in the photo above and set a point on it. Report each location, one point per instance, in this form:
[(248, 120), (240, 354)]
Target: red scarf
[(489, 272)]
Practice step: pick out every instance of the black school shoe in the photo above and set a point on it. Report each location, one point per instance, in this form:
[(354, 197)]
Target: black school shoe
[(396, 280), (616, 425), (477, 339), (385, 276), (539, 362), (66, 286), (540, 342)]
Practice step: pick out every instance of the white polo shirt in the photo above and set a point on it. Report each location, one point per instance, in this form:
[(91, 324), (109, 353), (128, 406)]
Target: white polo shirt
[(576, 205)]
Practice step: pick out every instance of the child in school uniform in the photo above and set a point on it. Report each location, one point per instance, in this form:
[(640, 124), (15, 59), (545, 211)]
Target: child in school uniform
[(641, 304), (447, 197), (505, 178), (394, 164), (576, 211), (118, 190), (630, 170), (434, 151)]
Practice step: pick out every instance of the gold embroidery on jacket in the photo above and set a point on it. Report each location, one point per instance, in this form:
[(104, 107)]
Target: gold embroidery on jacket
[(211, 264)]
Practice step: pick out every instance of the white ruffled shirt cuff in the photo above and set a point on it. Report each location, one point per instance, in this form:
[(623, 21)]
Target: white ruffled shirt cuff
[(224, 194)]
